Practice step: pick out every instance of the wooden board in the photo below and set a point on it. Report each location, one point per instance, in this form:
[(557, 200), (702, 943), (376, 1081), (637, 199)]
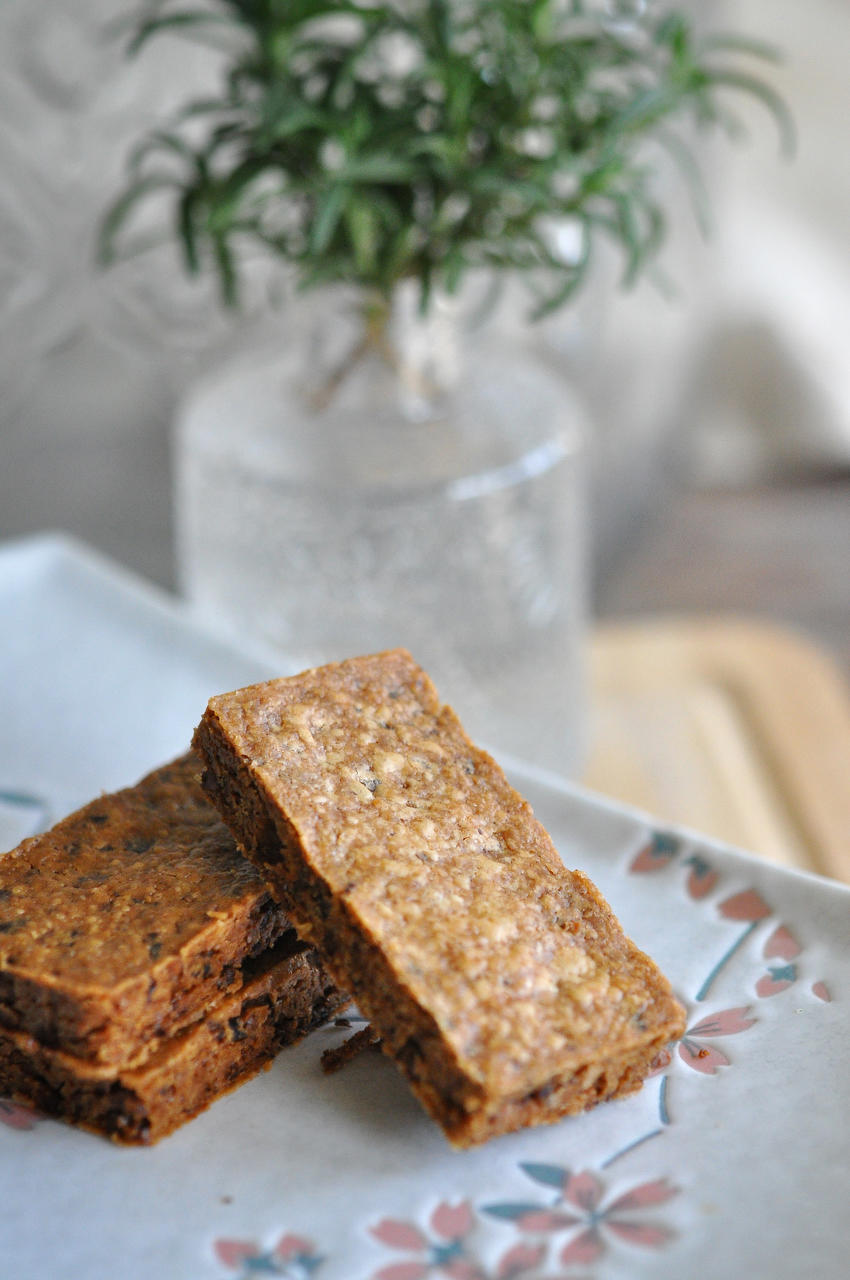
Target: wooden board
[(739, 729)]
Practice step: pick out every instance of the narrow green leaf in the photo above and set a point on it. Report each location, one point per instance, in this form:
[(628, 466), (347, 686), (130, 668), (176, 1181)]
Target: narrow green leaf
[(187, 207), (726, 42), (205, 107), (376, 168), (686, 162), (175, 22), (769, 98), (159, 140), (454, 269), (630, 235), (226, 272), (363, 229), (461, 92), (542, 19), (286, 124), (645, 109), (573, 278), (118, 213), (674, 31), (402, 249), (326, 218), (225, 198), (386, 210)]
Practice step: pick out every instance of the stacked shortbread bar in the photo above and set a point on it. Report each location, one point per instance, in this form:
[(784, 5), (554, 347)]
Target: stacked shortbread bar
[(500, 982), (144, 967)]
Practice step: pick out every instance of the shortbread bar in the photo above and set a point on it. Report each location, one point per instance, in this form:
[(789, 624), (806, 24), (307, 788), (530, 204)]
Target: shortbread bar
[(500, 982), (128, 920), (139, 1104)]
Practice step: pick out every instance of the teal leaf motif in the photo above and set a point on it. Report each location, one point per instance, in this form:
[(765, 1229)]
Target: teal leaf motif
[(27, 801), (510, 1212), (666, 843), (549, 1175), (444, 1253)]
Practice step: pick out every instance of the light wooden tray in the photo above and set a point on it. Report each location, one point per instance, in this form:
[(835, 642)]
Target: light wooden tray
[(737, 728)]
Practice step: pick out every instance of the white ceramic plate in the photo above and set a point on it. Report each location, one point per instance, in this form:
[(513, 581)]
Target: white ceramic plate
[(733, 1161)]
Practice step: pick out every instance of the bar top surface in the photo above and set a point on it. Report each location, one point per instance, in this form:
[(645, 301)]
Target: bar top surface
[(520, 962), (127, 880)]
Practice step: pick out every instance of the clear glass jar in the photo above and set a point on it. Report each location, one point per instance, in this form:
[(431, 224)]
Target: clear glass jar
[(367, 481)]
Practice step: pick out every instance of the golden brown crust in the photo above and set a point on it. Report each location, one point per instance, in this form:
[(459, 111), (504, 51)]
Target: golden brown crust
[(141, 1104), (127, 919), (500, 982)]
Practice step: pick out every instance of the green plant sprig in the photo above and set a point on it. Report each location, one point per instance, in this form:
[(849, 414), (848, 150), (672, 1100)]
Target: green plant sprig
[(372, 142)]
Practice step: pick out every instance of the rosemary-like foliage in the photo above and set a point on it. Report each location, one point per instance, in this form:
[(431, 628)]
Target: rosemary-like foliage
[(373, 140)]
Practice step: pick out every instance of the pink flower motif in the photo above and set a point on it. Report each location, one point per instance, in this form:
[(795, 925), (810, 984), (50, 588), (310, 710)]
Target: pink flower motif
[(586, 1192), (701, 877), (446, 1255), (293, 1257), (747, 905), (781, 944), (402, 1271), (399, 1235), (821, 990), (452, 1222), (580, 1208), (545, 1220), (520, 1260), (784, 946), (778, 978), (659, 853), (18, 1117), (293, 1248), (707, 1060)]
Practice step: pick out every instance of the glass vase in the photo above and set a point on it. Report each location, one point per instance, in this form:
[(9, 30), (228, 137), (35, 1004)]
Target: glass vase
[(373, 478)]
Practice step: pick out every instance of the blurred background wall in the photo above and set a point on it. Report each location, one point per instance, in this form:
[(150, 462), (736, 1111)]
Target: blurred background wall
[(743, 377)]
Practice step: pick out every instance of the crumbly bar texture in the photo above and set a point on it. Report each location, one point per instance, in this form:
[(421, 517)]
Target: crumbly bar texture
[(340, 1056), (500, 982), (286, 997), (128, 919)]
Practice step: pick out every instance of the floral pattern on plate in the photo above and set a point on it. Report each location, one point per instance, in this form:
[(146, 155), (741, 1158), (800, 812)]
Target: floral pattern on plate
[(292, 1257), (583, 1219)]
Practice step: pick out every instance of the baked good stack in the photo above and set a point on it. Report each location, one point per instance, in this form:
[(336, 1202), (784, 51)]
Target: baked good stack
[(147, 966), (144, 967)]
